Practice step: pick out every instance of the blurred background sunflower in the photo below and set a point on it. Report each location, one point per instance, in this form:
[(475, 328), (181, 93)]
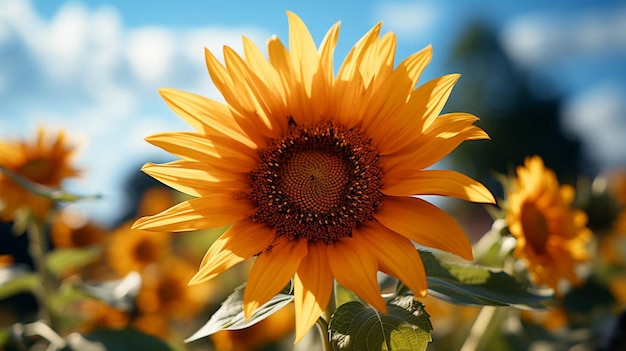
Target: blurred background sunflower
[(546, 78)]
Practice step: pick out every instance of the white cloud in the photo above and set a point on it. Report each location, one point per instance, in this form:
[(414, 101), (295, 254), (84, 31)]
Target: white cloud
[(540, 38), (84, 71), (407, 19), (151, 53), (598, 117)]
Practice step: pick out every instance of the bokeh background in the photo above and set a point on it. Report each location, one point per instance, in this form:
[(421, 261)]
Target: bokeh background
[(546, 77)]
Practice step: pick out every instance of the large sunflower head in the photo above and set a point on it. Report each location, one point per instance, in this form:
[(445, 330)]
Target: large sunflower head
[(551, 235), (318, 173), (44, 161)]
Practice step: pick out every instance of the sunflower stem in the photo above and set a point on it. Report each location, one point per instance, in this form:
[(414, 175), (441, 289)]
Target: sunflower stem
[(37, 249), (324, 320), (487, 321), (322, 326), (478, 331)]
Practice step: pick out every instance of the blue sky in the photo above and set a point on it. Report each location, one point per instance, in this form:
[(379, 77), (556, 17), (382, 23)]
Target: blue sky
[(93, 67)]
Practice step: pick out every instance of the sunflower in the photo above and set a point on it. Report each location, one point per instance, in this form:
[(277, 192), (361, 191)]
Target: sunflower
[(71, 229), (318, 174), (46, 161), (164, 290), (132, 250), (551, 235), (96, 314)]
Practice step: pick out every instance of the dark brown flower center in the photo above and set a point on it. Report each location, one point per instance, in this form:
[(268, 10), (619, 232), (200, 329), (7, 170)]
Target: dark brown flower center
[(39, 170), (146, 251), (318, 182), (535, 226)]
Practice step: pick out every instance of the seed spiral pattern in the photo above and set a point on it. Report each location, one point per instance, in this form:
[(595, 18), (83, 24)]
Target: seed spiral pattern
[(317, 183)]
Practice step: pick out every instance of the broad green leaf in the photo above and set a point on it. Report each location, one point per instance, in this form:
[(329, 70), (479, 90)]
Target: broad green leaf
[(60, 261), (230, 315), (356, 327), (128, 339), (477, 285), (18, 283)]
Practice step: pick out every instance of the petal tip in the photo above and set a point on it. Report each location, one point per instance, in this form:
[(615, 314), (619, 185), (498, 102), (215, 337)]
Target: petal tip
[(197, 279), (299, 335), (249, 308), (138, 224)]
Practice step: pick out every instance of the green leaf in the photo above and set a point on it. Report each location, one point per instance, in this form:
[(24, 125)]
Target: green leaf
[(128, 339), (356, 327), (119, 293), (477, 285), (17, 283), (43, 190), (60, 261), (230, 315)]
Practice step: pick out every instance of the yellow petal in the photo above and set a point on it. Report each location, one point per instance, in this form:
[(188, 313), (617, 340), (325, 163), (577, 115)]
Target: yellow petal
[(195, 178), (450, 124), (395, 254), (400, 126), (415, 64), (425, 224), (327, 50), (436, 182), (209, 211), (356, 268), (360, 56), (436, 148), (279, 59), (401, 120), (305, 65), (435, 94), (267, 74), (431, 147), (385, 103), (424, 104), (303, 52), (241, 241), (197, 147), (295, 99), (386, 54), (224, 83), (261, 67), (348, 105), (204, 115), (271, 272), (261, 101), (313, 285)]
